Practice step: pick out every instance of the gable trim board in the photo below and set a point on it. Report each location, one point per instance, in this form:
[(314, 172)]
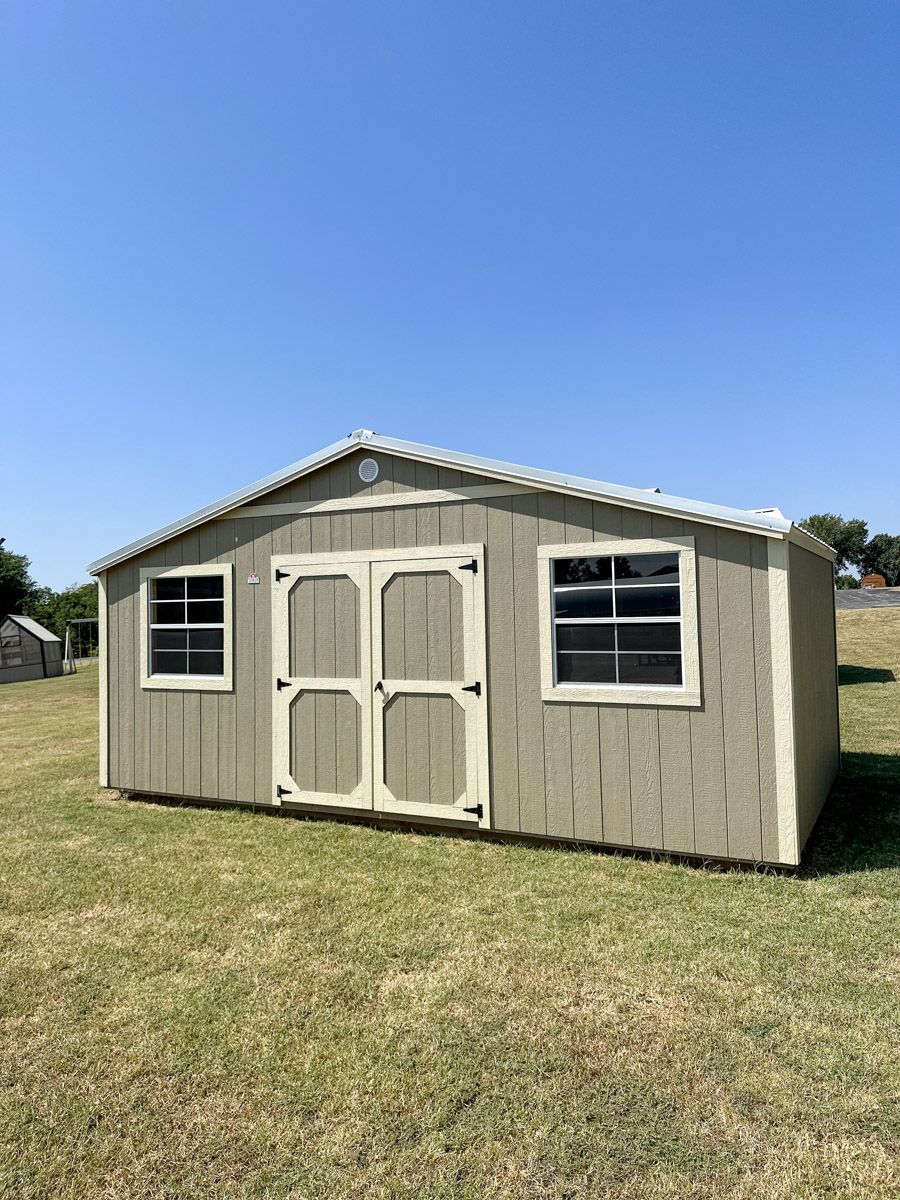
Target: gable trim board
[(717, 778)]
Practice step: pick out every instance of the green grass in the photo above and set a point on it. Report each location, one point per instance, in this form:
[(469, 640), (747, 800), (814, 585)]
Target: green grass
[(212, 1003)]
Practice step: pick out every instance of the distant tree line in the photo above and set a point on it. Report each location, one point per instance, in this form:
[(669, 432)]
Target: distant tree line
[(876, 555), (20, 594)]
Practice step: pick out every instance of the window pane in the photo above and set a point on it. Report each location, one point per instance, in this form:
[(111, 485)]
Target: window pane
[(585, 637), (206, 663), (206, 639), (206, 612), (205, 587), (168, 639), (650, 637), (644, 568), (168, 589), (648, 602), (584, 602), (169, 662), (167, 614), (582, 570), (650, 668), (585, 668)]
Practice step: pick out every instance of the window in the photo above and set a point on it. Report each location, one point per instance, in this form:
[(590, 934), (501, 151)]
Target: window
[(11, 649), (619, 622), (187, 627)]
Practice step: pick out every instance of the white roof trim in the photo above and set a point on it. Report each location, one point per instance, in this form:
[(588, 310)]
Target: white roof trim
[(770, 522)]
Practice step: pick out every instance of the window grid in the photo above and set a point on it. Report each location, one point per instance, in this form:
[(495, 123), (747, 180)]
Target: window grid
[(165, 661), (614, 586)]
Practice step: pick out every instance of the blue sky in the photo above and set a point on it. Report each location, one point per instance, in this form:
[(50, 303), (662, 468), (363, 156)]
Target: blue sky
[(652, 243)]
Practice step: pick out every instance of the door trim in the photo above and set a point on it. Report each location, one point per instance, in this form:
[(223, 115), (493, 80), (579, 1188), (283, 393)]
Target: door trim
[(475, 657)]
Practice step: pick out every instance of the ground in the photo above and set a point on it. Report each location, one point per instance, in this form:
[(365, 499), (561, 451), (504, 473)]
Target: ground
[(205, 1003)]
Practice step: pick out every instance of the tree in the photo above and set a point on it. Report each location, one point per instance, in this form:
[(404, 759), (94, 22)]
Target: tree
[(846, 538), (881, 556), (844, 582), (53, 609), (16, 584)]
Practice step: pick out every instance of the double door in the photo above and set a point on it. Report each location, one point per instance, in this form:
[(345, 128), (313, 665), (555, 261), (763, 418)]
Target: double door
[(379, 682)]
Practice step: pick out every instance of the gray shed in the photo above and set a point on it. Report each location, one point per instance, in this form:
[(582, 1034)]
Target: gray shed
[(27, 650), (391, 631)]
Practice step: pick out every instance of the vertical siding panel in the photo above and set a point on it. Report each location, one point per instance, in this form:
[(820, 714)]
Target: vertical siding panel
[(245, 663), (145, 705), (587, 795), (208, 702), (607, 521), (707, 732), (383, 518), (320, 526), (325, 702), (529, 707), (451, 519), (114, 629), (190, 544), (643, 758), (615, 775), (558, 770), (676, 779), (174, 705), (262, 621), (737, 655), (765, 708), (501, 634), (340, 487), (405, 518), (300, 531)]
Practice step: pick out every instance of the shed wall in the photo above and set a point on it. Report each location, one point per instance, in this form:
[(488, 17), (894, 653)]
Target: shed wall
[(699, 781), (814, 666)]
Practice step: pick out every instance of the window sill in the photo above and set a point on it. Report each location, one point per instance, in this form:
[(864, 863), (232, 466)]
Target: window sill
[(185, 683), (657, 697)]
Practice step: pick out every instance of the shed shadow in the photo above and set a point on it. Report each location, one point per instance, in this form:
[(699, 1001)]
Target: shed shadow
[(859, 829), (848, 674)]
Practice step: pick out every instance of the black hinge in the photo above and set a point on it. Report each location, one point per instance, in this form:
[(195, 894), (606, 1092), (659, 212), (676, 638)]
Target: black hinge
[(477, 810), (282, 683), (472, 566), (283, 791), (279, 575), (474, 687)]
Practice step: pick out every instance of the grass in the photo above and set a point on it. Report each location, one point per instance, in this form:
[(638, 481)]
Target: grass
[(204, 1003)]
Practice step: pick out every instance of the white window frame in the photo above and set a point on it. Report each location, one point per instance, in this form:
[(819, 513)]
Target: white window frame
[(687, 695), (190, 683)]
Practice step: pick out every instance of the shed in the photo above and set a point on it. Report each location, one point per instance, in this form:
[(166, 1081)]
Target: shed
[(27, 650), (390, 631)]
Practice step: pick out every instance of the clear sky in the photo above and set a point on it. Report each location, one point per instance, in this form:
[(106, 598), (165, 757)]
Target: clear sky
[(653, 243)]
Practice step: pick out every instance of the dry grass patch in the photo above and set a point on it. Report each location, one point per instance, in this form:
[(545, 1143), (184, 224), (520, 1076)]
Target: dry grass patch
[(203, 1003)]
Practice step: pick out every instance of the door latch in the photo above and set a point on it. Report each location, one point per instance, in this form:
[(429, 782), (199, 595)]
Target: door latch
[(282, 683), (473, 687), (471, 566)]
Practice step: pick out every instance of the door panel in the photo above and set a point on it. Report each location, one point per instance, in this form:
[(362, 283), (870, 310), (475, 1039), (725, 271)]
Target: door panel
[(429, 730), (322, 705)]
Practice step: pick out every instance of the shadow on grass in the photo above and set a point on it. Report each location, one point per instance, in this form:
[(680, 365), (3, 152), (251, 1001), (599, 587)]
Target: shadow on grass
[(859, 829), (849, 674)]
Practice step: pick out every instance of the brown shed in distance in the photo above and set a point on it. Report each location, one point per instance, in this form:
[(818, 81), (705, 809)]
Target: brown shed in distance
[(873, 581), (391, 631)]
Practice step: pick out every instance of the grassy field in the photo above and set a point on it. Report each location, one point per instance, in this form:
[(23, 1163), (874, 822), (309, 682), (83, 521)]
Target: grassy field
[(199, 1003)]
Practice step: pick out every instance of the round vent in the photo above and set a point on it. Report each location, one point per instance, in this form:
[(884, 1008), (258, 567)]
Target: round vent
[(368, 470)]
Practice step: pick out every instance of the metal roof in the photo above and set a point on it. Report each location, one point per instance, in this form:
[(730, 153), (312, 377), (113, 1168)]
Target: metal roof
[(32, 627), (768, 521)]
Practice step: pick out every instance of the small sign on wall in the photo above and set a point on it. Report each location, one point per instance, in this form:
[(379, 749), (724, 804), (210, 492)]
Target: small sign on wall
[(253, 577)]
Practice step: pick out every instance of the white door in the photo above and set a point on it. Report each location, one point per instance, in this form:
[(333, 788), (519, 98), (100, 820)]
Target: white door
[(322, 702), (429, 733), (380, 689)]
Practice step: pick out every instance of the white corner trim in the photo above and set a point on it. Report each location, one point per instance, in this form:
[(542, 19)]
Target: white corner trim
[(687, 696), (783, 702), (103, 683), (189, 683)]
